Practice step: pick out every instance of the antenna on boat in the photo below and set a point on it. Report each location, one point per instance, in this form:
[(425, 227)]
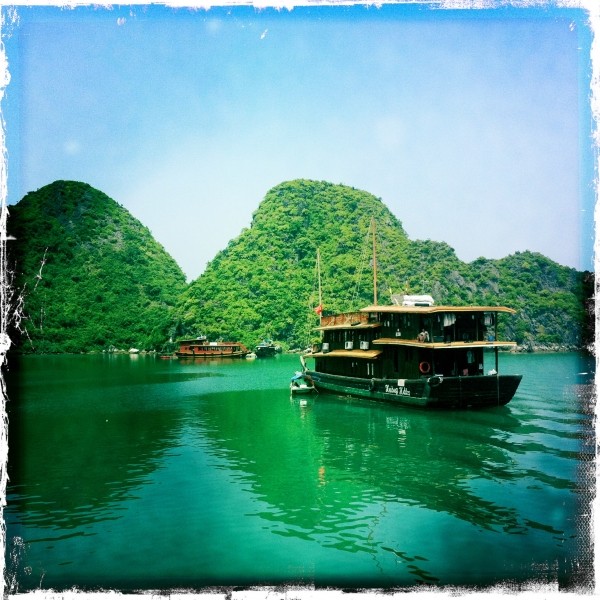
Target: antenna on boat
[(374, 263)]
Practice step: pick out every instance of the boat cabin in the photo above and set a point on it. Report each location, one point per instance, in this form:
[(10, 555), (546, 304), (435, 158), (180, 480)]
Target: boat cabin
[(409, 341), (202, 348)]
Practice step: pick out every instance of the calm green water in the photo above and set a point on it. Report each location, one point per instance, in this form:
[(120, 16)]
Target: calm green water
[(137, 473)]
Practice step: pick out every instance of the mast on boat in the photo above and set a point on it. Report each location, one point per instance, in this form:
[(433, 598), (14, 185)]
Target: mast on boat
[(319, 279), (374, 263)]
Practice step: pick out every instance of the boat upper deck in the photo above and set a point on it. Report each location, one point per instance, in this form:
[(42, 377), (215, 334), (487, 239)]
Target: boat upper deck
[(434, 327), (448, 345)]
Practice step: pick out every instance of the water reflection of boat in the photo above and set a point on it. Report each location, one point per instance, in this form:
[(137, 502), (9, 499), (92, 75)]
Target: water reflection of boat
[(413, 458), (301, 383)]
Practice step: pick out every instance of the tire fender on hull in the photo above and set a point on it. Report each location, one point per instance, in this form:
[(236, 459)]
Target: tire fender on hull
[(435, 380)]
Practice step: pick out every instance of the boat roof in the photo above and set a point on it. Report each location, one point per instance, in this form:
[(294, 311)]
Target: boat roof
[(366, 354), (393, 308), (442, 345), (205, 342)]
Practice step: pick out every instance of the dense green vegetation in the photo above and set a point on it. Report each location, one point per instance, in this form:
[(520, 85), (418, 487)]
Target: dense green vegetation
[(264, 284), (92, 276), (105, 281)]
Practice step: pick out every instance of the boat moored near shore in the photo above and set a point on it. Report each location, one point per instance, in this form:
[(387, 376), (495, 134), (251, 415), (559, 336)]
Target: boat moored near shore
[(267, 348), (200, 347)]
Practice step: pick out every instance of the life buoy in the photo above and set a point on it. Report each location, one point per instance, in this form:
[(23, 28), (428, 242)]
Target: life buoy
[(424, 367)]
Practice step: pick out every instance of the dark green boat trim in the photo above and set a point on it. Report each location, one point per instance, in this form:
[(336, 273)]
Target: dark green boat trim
[(472, 391)]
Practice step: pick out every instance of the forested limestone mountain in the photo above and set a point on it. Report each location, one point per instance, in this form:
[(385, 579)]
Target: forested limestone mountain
[(264, 283), (91, 275)]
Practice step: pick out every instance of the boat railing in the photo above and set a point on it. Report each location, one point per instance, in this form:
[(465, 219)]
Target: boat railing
[(348, 319)]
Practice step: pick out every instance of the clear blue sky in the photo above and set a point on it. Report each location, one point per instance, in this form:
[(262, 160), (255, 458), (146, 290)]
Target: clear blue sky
[(472, 126)]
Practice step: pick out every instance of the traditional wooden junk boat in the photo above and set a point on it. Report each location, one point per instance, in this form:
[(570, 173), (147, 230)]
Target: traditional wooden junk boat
[(200, 347), (418, 355), (413, 352)]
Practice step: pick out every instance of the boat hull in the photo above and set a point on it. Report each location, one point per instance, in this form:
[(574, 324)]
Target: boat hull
[(472, 391), (303, 389)]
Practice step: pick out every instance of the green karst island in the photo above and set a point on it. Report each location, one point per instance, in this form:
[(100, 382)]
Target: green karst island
[(93, 278)]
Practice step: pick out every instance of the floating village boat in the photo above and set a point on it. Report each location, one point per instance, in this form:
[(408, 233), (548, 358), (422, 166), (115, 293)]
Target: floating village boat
[(200, 347), (267, 348), (414, 353)]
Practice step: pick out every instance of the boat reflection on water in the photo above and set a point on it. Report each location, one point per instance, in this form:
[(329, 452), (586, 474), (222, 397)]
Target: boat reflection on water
[(366, 453), (357, 476)]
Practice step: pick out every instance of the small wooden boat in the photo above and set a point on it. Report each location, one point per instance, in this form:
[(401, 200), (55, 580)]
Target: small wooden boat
[(301, 383), (202, 348)]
